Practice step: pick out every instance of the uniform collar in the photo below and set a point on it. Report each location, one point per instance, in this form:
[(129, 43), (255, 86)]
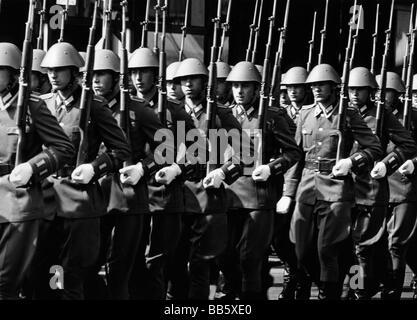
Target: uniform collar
[(328, 111), (7, 99), (67, 103), (293, 111), (194, 111), (113, 100)]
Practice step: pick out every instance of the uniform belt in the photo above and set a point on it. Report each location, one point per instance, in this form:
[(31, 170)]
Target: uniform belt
[(320, 165), (5, 168)]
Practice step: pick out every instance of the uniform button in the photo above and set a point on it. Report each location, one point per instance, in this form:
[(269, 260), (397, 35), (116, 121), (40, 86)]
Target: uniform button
[(318, 158), (320, 129), (61, 124), (319, 143)]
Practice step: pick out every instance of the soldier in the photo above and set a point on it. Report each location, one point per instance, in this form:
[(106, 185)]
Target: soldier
[(46, 150), (296, 283), (401, 217), (284, 100), (254, 195), (39, 79), (75, 229), (371, 188), (324, 188), (174, 91), (224, 93)]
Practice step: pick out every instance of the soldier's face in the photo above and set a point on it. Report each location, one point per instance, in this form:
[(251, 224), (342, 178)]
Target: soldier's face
[(174, 90), (223, 90), (143, 79), (192, 87), (415, 99), (322, 91), (283, 97), (59, 78), (4, 79), (35, 81), (390, 97), (358, 96), (243, 92), (102, 83), (296, 93)]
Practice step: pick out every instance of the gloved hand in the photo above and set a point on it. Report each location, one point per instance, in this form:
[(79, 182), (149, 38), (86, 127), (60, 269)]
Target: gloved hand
[(283, 205), (342, 167), (167, 174), (407, 168), (214, 179), (21, 174), (261, 173), (131, 174), (83, 173), (379, 171)]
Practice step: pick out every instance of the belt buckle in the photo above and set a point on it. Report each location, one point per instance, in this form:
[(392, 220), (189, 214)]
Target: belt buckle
[(317, 162)]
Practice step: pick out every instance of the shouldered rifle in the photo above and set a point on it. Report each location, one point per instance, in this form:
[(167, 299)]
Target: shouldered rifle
[(124, 76), (311, 43), (344, 96), (156, 33), (64, 15), (212, 79), (355, 38), (381, 101), (24, 84), (374, 40), (252, 29), (409, 78), (144, 23), (408, 44), (225, 27), (86, 91), (107, 25), (162, 85), (184, 31), (264, 92), (323, 34), (42, 14), (257, 30)]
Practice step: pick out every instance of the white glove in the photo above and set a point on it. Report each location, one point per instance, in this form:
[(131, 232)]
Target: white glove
[(214, 179), (283, 205), (167, 174), (261, 173), (83, 173), (407, 167), (131, 174), (342, 167), (21, 174), (379, 171)]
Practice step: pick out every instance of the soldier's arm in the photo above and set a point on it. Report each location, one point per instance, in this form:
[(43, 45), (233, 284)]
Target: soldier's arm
[(59, 150), (371, 149)]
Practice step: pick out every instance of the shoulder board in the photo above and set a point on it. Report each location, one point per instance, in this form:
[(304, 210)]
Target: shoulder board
[(222, 106), (99, 99), (135, 98), (34, 97), (174, 101), (308, 106), (46, 95)]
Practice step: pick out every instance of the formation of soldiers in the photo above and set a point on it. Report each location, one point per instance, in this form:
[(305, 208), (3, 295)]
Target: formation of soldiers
[(84, 187)]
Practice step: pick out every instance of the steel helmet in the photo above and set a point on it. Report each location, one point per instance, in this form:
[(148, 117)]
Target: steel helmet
[(37, 59), (10, 55), (62, 54), (143, 58), (362, 77), (394, 82), (415, 82), (282, 85), (295, 75), (222, 69), (171, 70), (106, 60), (191, 67), (323, 72), (83, 55), (244, 71)]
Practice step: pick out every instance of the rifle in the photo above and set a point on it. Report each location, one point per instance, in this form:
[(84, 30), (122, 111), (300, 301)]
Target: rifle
[(86, 91), (374, 40), (323, 34), (276, 72), (381, 102), (24, 84), (144, 24), (344, 97), (409, 79), (156, 33), (107, 26), (124, 76), (252, 29), (355, 37), (264, 93), (64, 15), (162, 85), (212, 79), (42, 16), (225, 27), (257, 30), (407, 47), (184, 31), (311, 43)]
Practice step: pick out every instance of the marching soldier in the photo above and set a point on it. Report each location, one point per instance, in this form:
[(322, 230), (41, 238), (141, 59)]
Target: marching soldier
[(46, 150), (39, 79), (224, 93), (174, 91), (324, 188), (75, 229), (254, 195), (371, 188)]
